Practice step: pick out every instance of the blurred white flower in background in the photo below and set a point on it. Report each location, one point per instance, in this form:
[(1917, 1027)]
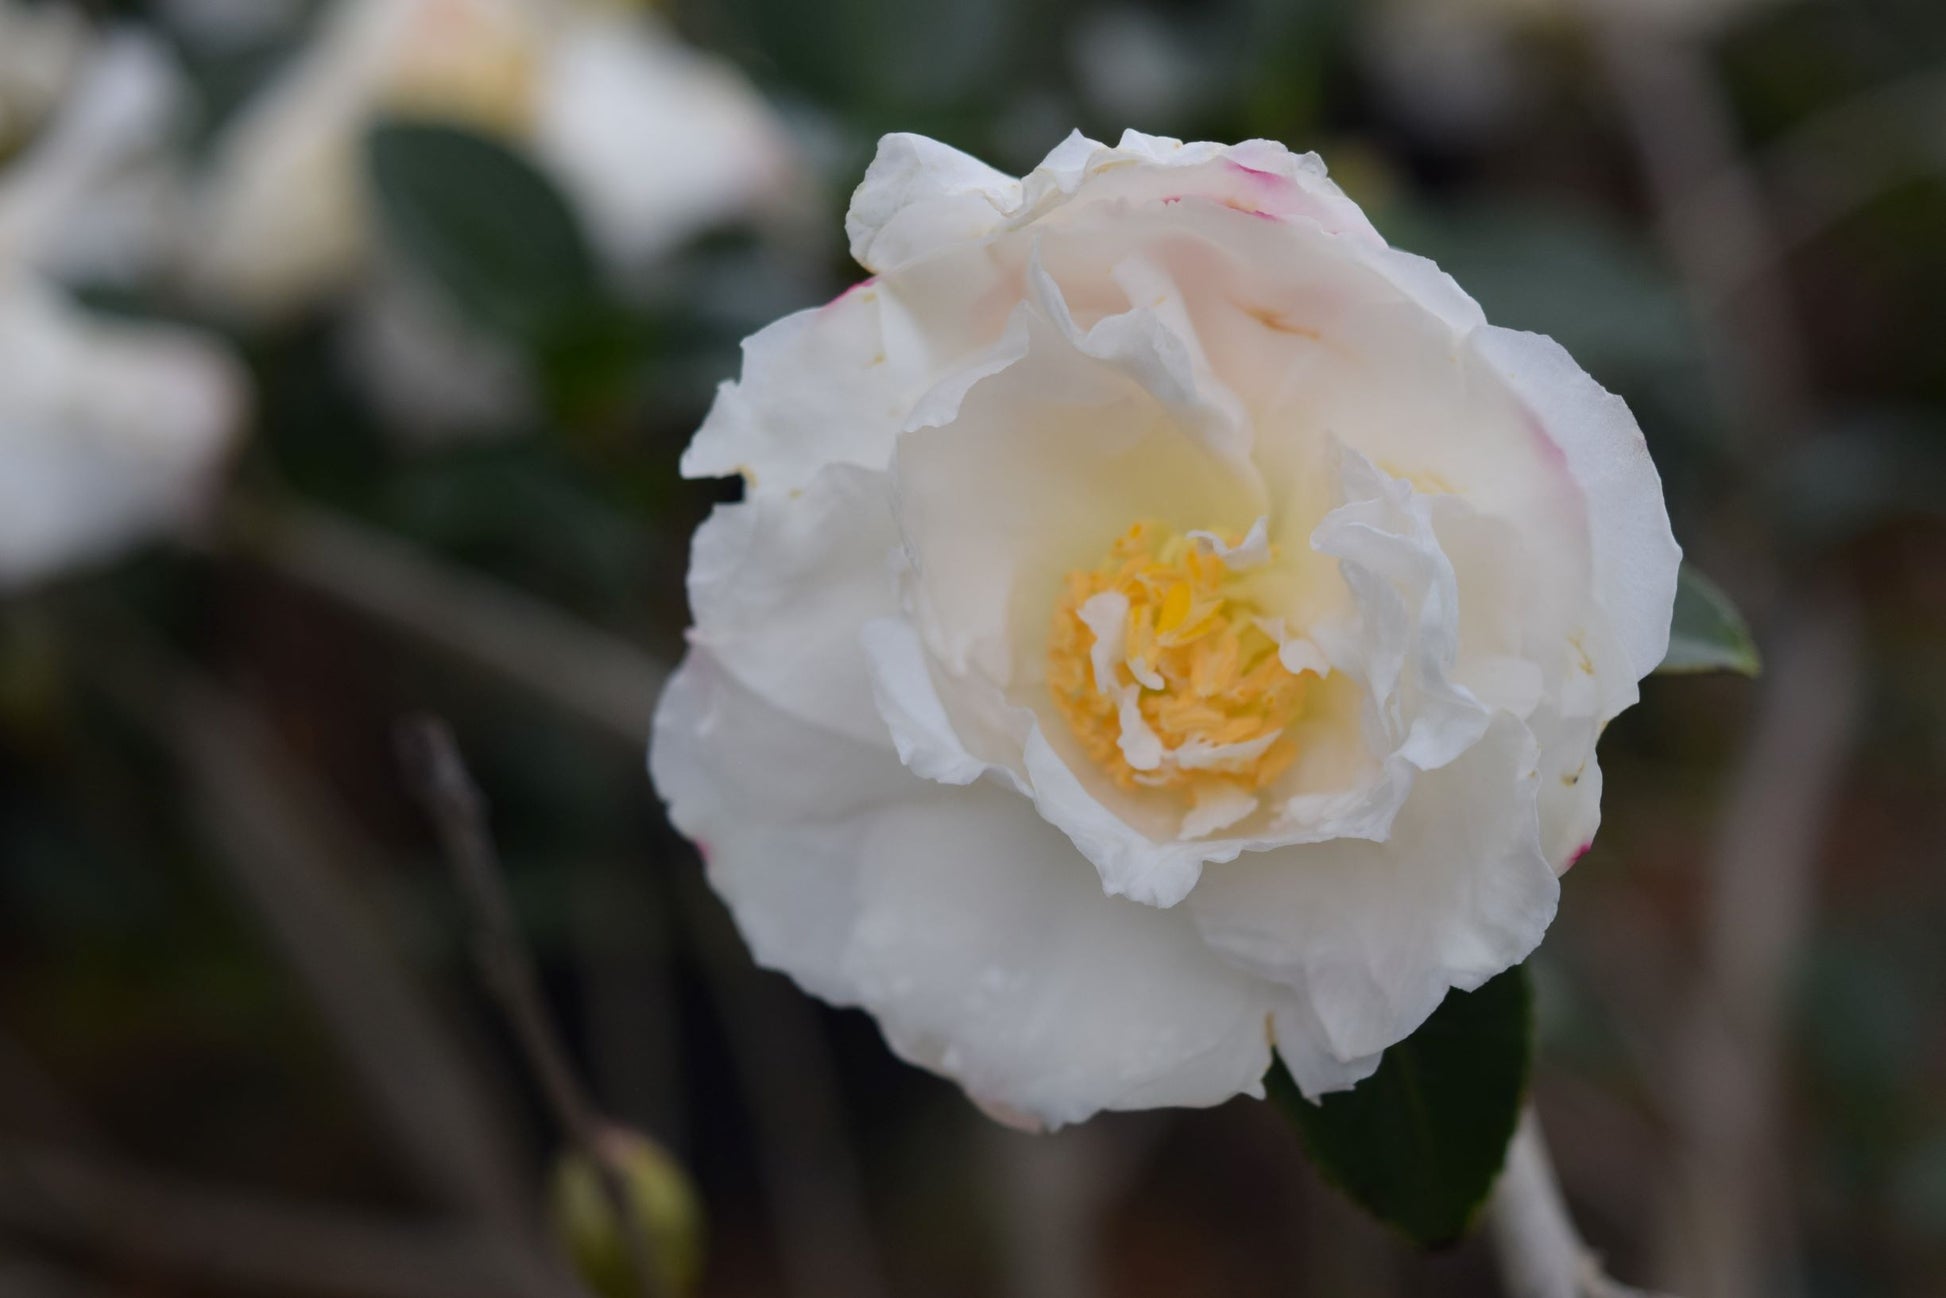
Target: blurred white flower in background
[(40, 46), (434, 374), (650, 139), (110, 430)]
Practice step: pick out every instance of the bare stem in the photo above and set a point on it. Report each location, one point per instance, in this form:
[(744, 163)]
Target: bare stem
[(506, 966), (1725, 1228), (1541, 1254), (280, 838), (237, 1240), (588, 672), (810, 1171)]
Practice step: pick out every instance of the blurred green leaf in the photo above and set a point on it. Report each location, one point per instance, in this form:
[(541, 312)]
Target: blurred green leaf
[(1708, 634), (1419, 1142), (486, 226)]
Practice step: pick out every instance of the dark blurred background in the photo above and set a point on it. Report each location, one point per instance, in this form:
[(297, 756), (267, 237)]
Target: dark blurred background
[(475, 311)]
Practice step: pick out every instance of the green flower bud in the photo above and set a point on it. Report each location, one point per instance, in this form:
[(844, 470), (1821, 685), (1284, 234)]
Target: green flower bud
[(663, 1200)]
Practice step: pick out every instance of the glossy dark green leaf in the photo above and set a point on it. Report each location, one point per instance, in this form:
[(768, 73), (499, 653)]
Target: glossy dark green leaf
[(481, 222), (1419, 1143), (1708, 633)]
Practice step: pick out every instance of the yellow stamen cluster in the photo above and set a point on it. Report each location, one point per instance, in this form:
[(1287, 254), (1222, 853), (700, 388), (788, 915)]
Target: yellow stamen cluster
[(1207, 674)]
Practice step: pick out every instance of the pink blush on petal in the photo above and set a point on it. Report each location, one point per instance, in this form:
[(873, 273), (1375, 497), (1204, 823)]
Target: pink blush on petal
[(859, 287)]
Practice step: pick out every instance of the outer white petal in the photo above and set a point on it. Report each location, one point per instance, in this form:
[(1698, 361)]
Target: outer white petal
[(966, 925), (830, 385), (988, 952), (1306, 1052), (909, 704), (779, 809), (1635, 553), (919, 196), (1371, 935), (653, 139), (781, 585), (109, 431)]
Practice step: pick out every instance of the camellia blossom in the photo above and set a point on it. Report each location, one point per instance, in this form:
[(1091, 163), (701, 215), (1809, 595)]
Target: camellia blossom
[(1164, 623), (650, 139), (110, 431)]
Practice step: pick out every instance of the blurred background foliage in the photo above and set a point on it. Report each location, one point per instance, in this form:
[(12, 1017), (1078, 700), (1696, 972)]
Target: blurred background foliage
[(234, 976)]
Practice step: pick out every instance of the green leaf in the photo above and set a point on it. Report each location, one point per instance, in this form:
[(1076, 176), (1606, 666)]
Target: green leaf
[(1419, 1142), (485, 225), (1708, 633)]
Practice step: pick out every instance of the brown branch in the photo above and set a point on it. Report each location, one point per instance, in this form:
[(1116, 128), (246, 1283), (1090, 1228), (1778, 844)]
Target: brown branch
[(223, 1237), (506, 966), (590, 673), (809, 1170), (1541, 1253), (1725, 1230), (1723, 1220), (789, 1080), (280, 840)]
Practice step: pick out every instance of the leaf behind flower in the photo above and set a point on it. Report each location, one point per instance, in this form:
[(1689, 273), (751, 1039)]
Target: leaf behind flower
[(1708, 633), (1420, 1142)]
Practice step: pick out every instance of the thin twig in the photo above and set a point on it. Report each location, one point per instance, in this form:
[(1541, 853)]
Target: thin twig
[(789, 1080), (1722, 1216), (590, 673), (506, 966), (280, 839), (1725, 1230), (1541, 1254), (809, 1170), (1829, 168), (243, 1240)]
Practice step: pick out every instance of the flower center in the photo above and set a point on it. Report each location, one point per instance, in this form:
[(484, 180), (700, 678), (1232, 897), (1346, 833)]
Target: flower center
[(1164, 669)]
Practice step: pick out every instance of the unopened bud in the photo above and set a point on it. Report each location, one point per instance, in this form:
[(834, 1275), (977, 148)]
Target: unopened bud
[(660, 1196)]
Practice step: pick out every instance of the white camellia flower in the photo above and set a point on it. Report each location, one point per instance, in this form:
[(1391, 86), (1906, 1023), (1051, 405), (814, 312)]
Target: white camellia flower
[(110, 431), (650, 139), (1163, 623)]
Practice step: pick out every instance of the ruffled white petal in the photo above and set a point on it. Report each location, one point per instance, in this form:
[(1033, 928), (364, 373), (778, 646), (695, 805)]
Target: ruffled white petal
[(781, 584), (968, 927), (779, 809), (920, 196), (988, 952), (1635, 554), (1406, 643), (1371, 935), (830, 385), (910, 706)]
